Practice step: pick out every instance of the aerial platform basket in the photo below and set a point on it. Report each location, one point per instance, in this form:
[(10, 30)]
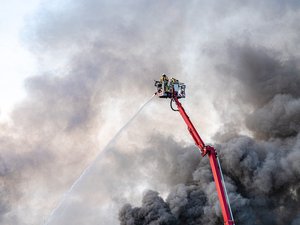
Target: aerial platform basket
[(169, 89)]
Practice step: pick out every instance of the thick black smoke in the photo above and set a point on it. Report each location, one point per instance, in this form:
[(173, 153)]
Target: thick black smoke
[(262, 173), (153, 211)]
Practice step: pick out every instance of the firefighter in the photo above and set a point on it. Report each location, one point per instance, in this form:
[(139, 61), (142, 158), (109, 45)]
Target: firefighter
[(171, 86), (165, 82), (173, 81), (164, 78)]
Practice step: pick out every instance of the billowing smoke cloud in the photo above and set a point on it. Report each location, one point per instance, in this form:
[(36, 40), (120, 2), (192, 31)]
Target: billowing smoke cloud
[(153, 211), (262, 173), (97, 60)]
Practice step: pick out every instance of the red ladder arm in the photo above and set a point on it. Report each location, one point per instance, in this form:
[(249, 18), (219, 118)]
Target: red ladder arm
[(212, 154)]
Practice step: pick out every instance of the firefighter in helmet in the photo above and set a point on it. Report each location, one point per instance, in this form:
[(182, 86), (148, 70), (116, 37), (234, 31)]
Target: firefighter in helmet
[(173, 81), (171, 85), (165, 82)]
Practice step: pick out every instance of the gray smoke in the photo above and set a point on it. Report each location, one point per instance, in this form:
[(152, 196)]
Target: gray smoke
[(153, 211), (262, 174), (97, 59)]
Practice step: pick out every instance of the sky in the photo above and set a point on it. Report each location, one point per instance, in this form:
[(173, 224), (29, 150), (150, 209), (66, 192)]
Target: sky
[(17, 62), (74, 75)]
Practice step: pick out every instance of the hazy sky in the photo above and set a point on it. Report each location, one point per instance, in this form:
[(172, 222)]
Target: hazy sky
[(17, 62)]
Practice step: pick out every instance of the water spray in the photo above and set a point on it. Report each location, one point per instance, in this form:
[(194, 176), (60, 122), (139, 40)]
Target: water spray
[(88, 168)]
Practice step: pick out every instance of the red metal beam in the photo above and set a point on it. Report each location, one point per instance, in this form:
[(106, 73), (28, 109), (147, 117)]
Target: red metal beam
[(212, 155)]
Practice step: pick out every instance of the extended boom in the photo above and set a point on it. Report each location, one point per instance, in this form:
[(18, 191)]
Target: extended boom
[(175, 90)]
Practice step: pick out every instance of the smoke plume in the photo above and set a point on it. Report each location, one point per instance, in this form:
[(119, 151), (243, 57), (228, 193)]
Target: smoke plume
[(262, 173), (97, 59)]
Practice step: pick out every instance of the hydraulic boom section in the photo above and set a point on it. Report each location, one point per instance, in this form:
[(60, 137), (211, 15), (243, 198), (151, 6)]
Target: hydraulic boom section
[(174, 91)]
